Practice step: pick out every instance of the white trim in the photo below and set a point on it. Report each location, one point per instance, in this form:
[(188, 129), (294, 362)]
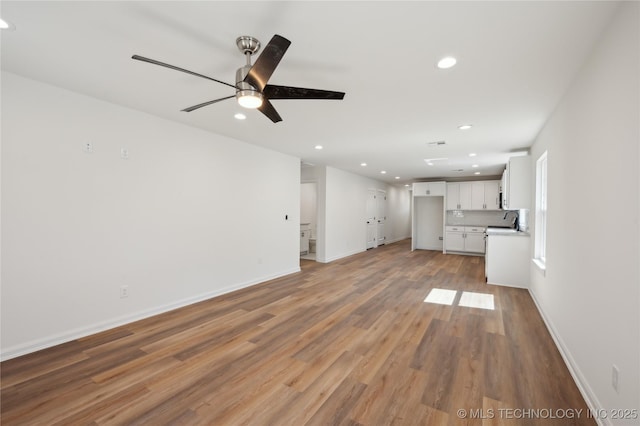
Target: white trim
[(395, 240), (342, 255), (582, 384), (39, 344), (542, 267)]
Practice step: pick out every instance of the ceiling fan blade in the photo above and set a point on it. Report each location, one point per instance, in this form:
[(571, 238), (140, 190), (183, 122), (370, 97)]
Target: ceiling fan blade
[(267, 109), (162, 64), (207, 103), (261, 71), (287, 92)]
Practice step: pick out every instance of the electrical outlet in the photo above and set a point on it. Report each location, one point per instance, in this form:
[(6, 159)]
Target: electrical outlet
[(124, 291), (124, 153), (615, 372), (88, 147)]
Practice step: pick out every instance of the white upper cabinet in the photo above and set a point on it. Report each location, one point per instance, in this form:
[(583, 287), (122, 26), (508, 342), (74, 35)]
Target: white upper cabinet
[(485, 195), (478, 195), (429, 189), (459, 196), (516, 184)]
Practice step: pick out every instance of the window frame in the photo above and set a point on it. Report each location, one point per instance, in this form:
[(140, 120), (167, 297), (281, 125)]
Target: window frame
[(540, 242)]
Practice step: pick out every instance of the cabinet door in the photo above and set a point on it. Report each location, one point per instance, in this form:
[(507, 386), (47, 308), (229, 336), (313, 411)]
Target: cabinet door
[(465, 196), (477, 195), (454, 241), (453, 196), (492, 195), (474, 242), (505, 188), (420, 189), (427, 189)]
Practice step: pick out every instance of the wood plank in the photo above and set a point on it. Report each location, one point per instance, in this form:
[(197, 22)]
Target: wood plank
[(351, 342)]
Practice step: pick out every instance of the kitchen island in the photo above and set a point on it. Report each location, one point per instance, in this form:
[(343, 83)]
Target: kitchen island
[(508, 257)]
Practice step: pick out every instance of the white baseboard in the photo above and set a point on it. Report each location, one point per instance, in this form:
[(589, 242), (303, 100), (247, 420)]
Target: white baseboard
[(395, 240), (345, 254), (39, 344), (583, 386)]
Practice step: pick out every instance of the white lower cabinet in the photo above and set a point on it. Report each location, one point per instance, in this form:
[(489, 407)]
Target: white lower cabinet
[(508, 260), (465, 239)]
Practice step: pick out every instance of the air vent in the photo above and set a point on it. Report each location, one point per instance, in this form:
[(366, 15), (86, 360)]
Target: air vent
[(436, 143), (457, 170)]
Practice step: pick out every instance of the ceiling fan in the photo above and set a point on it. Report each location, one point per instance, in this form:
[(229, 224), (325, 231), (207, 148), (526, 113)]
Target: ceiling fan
[(252, 90)]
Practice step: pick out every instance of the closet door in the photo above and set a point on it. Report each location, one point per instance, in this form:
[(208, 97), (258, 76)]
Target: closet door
[(371, 219), (381, 216)]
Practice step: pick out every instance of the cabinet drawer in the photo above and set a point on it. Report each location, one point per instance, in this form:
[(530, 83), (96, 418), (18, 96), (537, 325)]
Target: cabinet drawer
[(455, 228), (474, 229)]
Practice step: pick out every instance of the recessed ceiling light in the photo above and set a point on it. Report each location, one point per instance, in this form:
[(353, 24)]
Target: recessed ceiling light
[(429, 163), (476, 173), (397, 177), (363, 164), (475, 166), (6, 25), (240, 116), (447, 62), (318, 147), (465, 127), (406, 184), (384, 172), (473, 154)]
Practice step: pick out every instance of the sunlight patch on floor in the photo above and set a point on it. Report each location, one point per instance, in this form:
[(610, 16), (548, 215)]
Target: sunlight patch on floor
[(468, 299), (441, 296), (476, 300)]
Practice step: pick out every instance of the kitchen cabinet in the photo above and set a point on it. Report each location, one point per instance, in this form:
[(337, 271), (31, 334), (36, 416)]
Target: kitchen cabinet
[(474, 240), (478, 195), (465, 239), (516, 184), (485, 195), (459, 196), (429, 189), (454, 238)]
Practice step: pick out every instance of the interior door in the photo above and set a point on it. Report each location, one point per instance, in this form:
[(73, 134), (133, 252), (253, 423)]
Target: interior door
[(381, 215), (371, 219)]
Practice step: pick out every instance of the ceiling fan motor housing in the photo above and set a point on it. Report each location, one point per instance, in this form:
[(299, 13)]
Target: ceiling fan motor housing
[(244, 89)]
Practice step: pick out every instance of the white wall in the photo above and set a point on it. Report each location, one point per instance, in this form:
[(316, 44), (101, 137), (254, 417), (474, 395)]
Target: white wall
[(399, 213), (341, 229), (178, 221), (590, 295), (429, 219)]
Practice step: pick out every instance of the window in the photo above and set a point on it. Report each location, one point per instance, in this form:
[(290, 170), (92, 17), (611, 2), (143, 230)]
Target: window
[(540, 247)]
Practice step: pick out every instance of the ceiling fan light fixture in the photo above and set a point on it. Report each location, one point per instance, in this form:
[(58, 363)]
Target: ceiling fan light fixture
[(251, 99)]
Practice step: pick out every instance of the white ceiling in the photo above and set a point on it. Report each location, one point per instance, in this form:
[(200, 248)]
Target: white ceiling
[(515, 61)]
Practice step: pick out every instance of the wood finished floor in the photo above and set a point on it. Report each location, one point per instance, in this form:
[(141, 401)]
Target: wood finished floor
[(346, 343)]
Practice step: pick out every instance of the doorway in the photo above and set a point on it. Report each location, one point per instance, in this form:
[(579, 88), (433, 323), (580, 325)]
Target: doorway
[(308, 219), (376, 217)]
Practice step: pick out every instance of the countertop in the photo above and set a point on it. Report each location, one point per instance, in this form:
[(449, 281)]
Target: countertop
[(506, 232)]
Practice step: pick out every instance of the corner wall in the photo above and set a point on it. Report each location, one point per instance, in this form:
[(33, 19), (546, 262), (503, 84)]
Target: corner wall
[(342, 200), (590, 295), (189, 215)]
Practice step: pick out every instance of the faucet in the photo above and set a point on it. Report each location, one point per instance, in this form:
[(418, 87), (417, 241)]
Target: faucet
[(515, 217)]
